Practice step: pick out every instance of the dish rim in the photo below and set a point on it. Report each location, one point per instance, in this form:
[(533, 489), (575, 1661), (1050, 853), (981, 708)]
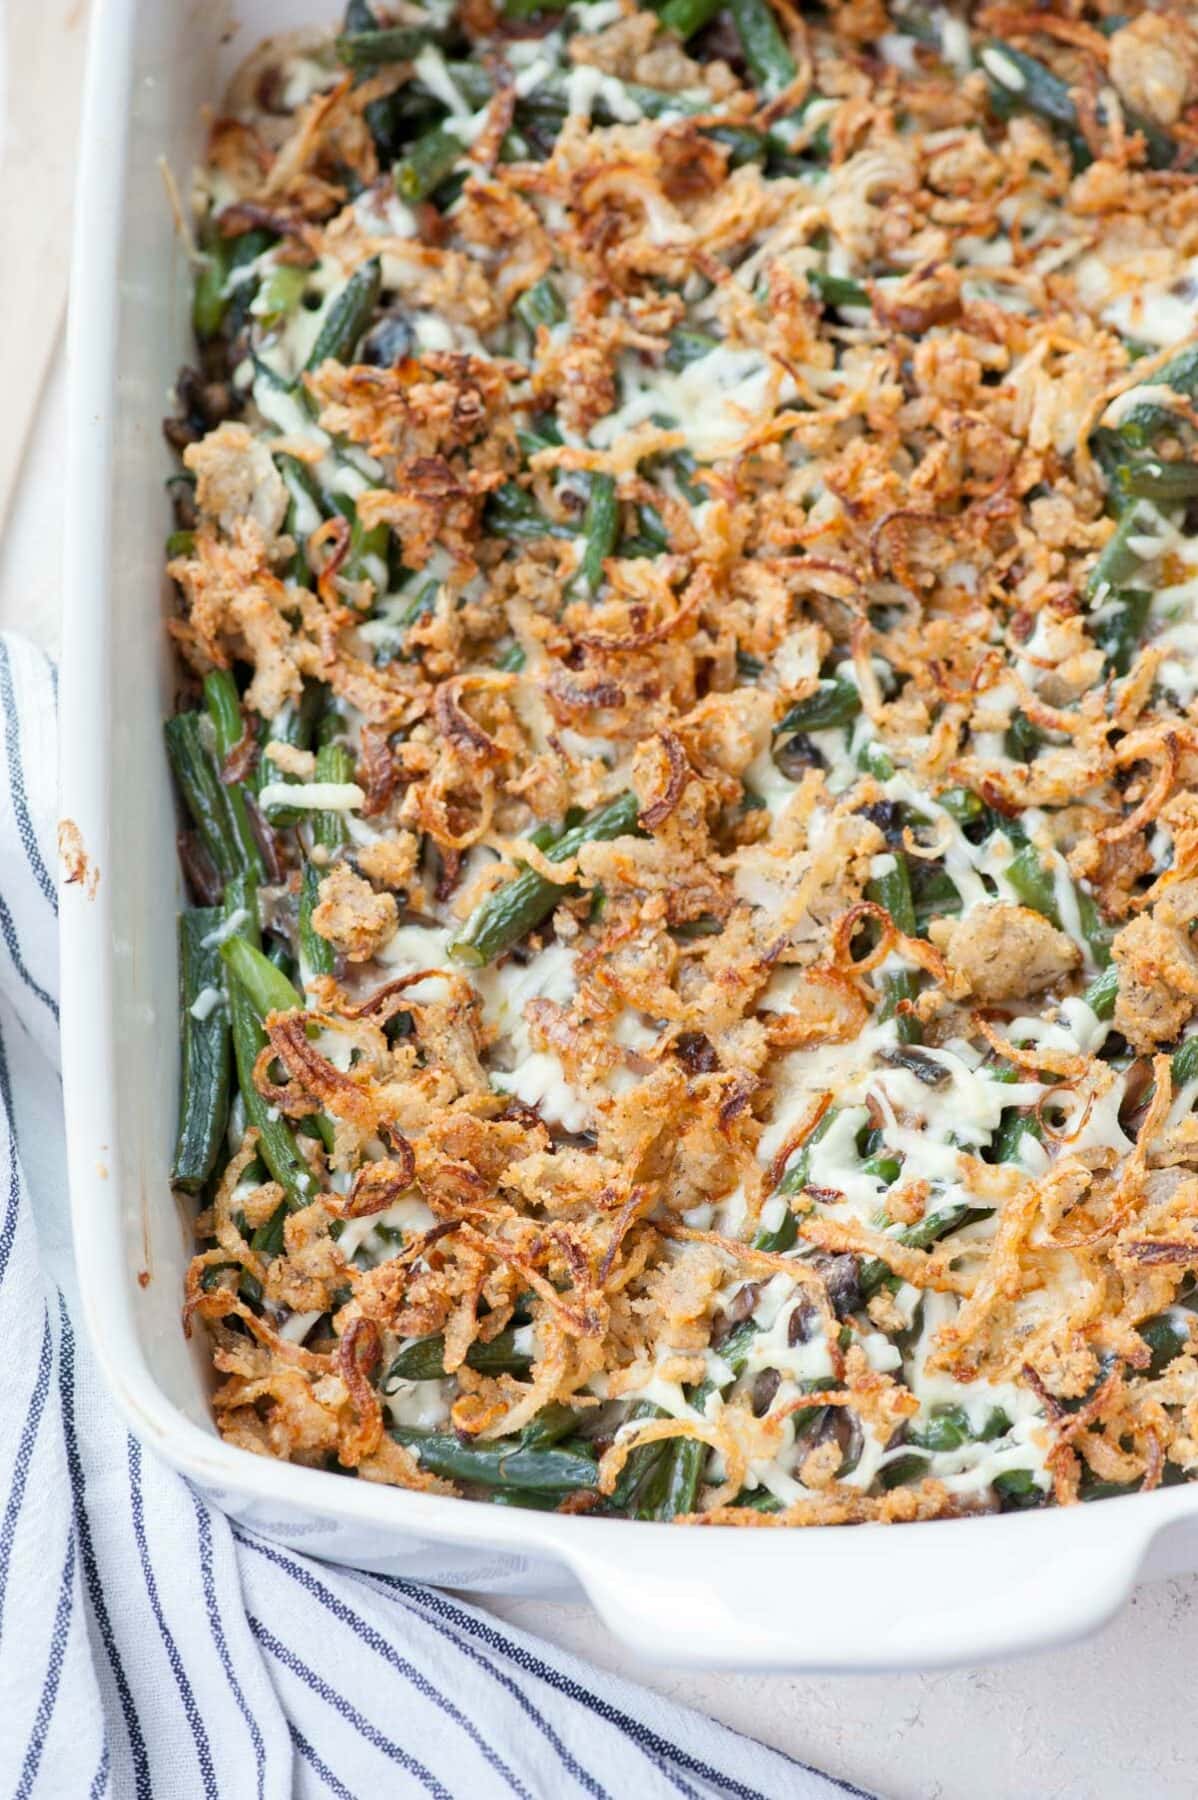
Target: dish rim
[(1030, 1580)]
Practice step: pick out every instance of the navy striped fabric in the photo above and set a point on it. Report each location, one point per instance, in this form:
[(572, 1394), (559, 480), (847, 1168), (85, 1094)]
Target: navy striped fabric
[(148, 1648)]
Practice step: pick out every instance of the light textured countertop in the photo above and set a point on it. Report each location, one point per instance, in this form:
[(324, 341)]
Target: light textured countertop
[(1099, 1721)]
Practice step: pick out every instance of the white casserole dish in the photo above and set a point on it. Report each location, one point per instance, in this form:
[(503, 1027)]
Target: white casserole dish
[(825, 1598)]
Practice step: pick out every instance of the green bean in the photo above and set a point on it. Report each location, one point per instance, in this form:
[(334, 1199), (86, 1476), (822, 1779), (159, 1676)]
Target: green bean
[(1118, 564), (948, 1427), (918, 23), (304, 498), (554, 94), (1020, 81), (687, 346), (270, 1236), (316, 953), (268, 988), (1184, 1066), (471, 81), (1017, 1489), (541, 304), (206, 1052), (433, 156), (348, 316), (1033, 884), (1013, 1127), (424, 1358), (963, 805), (359, 16), (373, 49), (1142, 422), (653, 530), (553, 1423), (276, 1141), (875, 1273), (512, 513), (223, 256), (873, 760), (781, 1239), (765, 49), (758, 1499), (544, 437), (902, 1470), (902, 985), (493, 1464), (1022, 740), (735, 1348), (297, 726), (228, 728), (1165, 1340), (641, 1485), (1110, 453), (799, 1173), (421, 605), (528, 1499), (685, 17), (1120, 631), (206, 798), (743, 144), (208, 295), (936, 895), (279, 294), (334, 763), (527, 9), (1103, 992), (939, 1225), (180, 543), (685, 1473), (833, 703), (837, 290), (513, 910), (1035, 887), (281, 957), (602, 527), (1161, 482), (651, 1489), (550, 101), (363, 541), (892, 891), (262, 981)]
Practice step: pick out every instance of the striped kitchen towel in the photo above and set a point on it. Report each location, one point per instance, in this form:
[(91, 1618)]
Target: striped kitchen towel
[(150, 1648)]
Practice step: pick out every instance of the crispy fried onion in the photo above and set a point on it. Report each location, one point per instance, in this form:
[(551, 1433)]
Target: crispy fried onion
[(358, 1353), (718, 1434), (928, 509), (1165, 750), (678, 773), (378, 1185), (455, 723), (890, 939), (315, 1083)]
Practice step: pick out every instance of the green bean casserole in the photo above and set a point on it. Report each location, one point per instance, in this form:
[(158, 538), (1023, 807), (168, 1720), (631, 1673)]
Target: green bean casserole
[(685, 585)]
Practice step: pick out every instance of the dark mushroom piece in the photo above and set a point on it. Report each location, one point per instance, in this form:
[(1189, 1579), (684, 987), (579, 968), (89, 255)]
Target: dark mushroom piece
[(388, 341), (796, 754)]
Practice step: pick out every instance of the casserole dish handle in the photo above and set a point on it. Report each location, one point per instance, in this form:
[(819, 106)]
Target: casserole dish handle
[(778, 1598)]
